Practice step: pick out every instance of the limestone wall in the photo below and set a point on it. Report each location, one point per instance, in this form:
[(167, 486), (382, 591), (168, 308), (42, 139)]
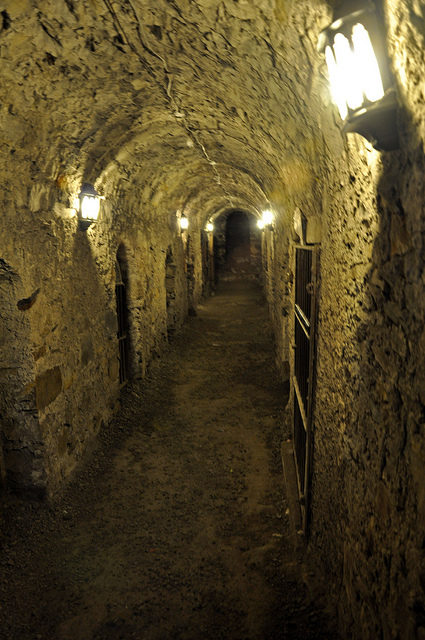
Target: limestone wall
[(202, 108), (61, 341), (368, 501)]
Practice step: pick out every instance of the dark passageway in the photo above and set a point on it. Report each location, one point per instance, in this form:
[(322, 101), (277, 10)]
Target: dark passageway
[(176, 526), (237, 245), (238, 249), (152, 152)]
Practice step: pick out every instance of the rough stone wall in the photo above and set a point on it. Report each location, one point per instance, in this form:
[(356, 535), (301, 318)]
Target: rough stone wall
[(85, 96), (277, 278), (70, 348), (368, 503), (201, 108), (176, 287), (20, 443)]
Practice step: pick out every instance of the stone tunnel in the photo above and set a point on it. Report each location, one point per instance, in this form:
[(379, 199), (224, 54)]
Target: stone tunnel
[(213, 111)]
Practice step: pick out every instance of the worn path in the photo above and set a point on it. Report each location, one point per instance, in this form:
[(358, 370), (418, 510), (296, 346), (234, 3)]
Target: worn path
[(176, 526)]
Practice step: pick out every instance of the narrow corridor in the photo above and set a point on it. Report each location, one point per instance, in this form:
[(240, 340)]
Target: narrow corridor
[(176, 525)]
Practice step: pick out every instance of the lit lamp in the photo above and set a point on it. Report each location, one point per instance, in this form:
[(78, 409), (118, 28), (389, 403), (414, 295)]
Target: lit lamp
[(361, 82), (88, 206), (267, 219), (260, 224), (184, 223), (209, 227)]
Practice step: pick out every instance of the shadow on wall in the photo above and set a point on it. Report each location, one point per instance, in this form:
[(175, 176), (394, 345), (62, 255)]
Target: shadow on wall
[(392, 350), (376, 484), (237, 246), (21, 447), (79, 380)]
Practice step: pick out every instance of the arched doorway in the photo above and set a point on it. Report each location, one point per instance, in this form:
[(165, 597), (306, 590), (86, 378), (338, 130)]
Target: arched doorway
[(170, 292), (237, 245), (121, 284)]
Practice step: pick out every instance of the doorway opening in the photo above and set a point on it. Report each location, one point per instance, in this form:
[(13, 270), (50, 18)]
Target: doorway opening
[(121, 286), (237, 246), (170, 292), (305, 312)]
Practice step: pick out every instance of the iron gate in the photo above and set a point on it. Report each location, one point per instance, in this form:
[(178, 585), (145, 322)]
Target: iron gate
[(306, 272)]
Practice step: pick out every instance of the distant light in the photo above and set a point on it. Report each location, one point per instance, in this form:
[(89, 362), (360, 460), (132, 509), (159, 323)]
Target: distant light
[(268, 217), (260, 224), (184, 223), (89, 206), (209, 227)]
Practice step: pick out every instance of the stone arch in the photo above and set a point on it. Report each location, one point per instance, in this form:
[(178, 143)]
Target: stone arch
[(21, 447)]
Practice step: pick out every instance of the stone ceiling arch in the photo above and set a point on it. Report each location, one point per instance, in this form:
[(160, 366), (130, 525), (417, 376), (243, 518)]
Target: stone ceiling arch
[(190, 188), (214, 83)]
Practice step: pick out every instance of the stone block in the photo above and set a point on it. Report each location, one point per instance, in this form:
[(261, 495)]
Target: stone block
[(111, 323), (87, 351), (48, 386), (114, 369), (314, 230)]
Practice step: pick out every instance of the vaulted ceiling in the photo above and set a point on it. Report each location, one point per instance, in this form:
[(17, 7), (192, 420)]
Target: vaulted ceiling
[(197, 105)]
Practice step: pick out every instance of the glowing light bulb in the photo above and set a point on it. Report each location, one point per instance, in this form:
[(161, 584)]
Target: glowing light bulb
[(260, 224), (209, 227), (349, 72), (353, 71), (367, 64), (335, 83), (361, 82), (268, 217), (184, 223)]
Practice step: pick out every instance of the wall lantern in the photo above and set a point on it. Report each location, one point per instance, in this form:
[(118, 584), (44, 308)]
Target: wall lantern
[(361, 82), (209, 227), (268, 218), (184, 223), (88, 206)]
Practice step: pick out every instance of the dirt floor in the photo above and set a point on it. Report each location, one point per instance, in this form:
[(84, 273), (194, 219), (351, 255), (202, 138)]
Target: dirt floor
[(176, 526)]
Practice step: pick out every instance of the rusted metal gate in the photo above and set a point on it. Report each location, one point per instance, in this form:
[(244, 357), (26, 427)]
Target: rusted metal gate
[(306, 278), (122, 316)]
